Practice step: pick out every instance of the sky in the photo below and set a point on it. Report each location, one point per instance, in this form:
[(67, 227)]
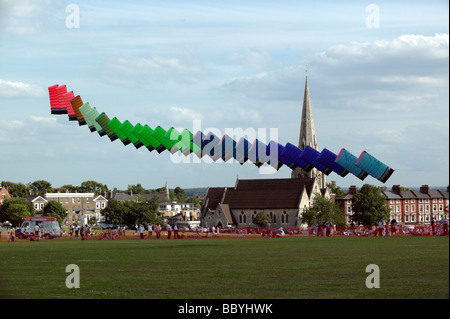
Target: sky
[(378, 75)]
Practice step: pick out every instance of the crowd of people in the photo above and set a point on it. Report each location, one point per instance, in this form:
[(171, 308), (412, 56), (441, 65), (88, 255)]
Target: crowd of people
[(322, 228), (384, 228)]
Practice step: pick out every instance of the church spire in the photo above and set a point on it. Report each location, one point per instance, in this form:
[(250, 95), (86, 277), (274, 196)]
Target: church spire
[(307, 130), (167, 190), (308, 138)]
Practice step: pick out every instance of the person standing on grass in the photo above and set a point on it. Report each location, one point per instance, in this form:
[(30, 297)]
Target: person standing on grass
[(87, 230), (169, 231), (150, 230), (386, 227), (433, 226), (36, 230), (380, 228), (158, 231), (175, 231), (394, 227), (445, 225), (141, 231)]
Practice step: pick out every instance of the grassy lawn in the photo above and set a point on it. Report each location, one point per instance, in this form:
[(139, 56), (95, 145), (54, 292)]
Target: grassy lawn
[(235, 268)]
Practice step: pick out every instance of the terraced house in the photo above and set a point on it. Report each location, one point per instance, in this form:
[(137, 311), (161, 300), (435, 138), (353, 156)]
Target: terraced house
[(407, 206)]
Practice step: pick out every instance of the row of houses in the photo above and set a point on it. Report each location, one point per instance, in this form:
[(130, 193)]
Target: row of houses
[(406, 206), (85, 207)]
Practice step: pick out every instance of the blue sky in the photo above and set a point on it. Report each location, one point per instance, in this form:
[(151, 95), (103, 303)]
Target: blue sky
[(381, 87)]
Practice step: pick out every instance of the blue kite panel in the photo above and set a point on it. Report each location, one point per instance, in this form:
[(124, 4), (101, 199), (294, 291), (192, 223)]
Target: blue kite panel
[(373, 166), (293, 153), (309, 155), (326, 157), (347, 160)]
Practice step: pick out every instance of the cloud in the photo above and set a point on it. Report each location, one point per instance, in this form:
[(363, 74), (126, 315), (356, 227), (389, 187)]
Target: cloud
[(27, 16), (17, 90), (137, 71), (400, 74), (407, 54), (255, 58), (183, 115)]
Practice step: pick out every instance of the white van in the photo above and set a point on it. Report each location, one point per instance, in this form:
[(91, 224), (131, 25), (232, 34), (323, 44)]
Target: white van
[(48, 227)]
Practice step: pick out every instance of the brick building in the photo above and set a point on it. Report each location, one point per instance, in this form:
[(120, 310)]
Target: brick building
[(406, 206), (4, 193)]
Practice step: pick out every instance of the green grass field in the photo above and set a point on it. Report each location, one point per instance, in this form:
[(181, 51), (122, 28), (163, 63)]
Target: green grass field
[(235, 268)]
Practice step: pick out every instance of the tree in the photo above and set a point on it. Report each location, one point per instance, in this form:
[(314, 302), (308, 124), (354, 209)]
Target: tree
[(137, 189), (131, 213), (70, 188), (194, 200), (261, 219), (15, 209), (369, 206), (92, 187), (41, 187), (16, 189), (337, 190), (180, 194), (323, 209), (55, 209)]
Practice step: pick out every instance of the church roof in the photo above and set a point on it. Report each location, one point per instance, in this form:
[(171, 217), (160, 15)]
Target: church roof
[(260, 194), (212, 198)]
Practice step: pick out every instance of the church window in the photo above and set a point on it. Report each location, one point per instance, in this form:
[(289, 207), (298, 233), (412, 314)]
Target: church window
[(273, 217), (242, 218), (284, 218)]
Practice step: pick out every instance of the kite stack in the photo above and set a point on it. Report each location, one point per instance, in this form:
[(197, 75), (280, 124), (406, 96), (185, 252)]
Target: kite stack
[(225, 148)]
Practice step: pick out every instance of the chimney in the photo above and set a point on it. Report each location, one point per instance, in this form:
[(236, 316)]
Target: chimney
[(425, 189), (396, 189), (353, 190)]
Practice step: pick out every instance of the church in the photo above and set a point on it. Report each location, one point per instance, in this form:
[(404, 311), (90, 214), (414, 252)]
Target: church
[(283, 200)]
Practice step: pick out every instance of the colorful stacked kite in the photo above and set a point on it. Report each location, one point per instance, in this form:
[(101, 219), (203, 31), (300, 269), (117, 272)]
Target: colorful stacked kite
[(258, 153)]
